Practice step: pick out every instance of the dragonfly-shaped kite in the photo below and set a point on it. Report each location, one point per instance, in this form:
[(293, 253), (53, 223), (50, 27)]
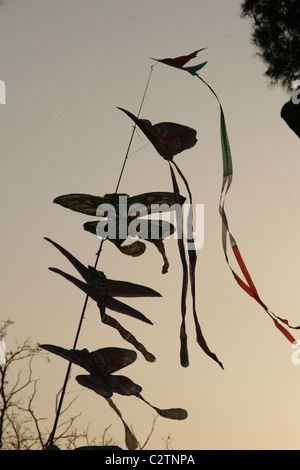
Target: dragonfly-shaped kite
[(101, 364), (247, 283), (147, 202), (180, 61), (103, 291)]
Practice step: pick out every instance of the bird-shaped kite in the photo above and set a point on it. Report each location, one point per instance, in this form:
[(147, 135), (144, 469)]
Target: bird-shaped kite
[(246, 284)]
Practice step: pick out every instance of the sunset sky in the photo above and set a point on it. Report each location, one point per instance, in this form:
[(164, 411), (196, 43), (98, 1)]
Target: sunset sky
[(68, 65)]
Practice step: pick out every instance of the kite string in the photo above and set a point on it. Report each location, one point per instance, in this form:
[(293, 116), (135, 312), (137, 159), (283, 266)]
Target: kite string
[(51, 437), (134, 128)]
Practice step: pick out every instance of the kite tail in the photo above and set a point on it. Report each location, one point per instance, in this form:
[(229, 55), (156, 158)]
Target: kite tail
[(171, 413), (134, 128), (130, 438), (192, 270), (247, 286), (125, 334), (184, 357), (200, 338)]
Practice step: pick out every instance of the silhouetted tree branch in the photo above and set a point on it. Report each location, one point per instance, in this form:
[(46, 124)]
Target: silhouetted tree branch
[(20, 427)]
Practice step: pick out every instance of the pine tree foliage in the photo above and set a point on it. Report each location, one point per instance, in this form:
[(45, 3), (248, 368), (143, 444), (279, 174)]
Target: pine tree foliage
[(276, 35)]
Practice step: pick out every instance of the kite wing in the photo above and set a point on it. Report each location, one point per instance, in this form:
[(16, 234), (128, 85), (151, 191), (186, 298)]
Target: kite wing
[(168, 138), (246, 284), (83, 203), (101, 362), (180, 61), (129, 289), (114, 358), (111, 384)]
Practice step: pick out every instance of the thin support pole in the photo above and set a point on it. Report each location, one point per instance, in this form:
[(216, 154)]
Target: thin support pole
[(52, 435)]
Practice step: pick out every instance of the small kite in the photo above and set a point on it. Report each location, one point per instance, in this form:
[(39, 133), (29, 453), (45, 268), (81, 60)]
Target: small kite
[(101, 364), (247, 286), (103, 291), (170, 139), (179, 62)]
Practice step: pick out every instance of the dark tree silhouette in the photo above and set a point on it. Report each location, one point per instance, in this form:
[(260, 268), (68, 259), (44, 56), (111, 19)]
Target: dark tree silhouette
[(290, 112), (276, 35)]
